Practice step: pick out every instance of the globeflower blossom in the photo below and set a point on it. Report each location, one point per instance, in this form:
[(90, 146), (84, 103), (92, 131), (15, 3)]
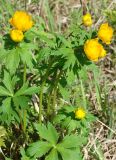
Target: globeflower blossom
[(94, 50), (87, 20), (80, 113), (105, 33), (16, 35), (21, 21)]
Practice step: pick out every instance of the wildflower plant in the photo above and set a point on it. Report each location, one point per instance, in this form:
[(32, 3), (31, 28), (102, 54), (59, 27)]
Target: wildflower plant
[(37, 67)]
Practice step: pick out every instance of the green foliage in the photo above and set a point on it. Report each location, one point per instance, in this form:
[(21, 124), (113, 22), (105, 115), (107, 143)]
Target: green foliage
[(66, 118), (68, 148), (43, 80), (13, 99)]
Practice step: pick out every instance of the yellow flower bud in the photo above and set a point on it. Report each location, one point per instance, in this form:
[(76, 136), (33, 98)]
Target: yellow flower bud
[(94, 50), (16, 35), (105, 33), (21, 21), (80, 113), (87, 20)]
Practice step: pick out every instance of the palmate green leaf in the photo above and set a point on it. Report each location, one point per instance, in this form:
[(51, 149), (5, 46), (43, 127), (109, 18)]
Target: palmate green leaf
[(53, 155), (12, 60), (73, 124), (58, 118), (38, 149), (68, 109), (6, 105), (68, 54), (64, 92), (31, 90), (25, 90), (48, 133), (21, 101), (22, 89), (3, 55), (71, 141), (69, 154), (8, 82), (4, 92), (26, 54)]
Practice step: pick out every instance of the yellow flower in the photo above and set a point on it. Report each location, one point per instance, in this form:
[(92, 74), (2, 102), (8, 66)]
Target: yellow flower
[(94, 50), (103, 52), (105, 33), (21, 21), (87, 20), (80, 113), (16, 35)]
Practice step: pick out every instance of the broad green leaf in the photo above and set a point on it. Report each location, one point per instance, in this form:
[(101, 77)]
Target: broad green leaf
[(53, 155), (48, 133), (21, 101), (8, 82), (72, 125), (58, 118), (68, 154), (12, 61), (38, 149), (69, 109), (31, 90), (26, 56), (7, 106), (71, 141), (4, 92), (64, 92), (22, 90)]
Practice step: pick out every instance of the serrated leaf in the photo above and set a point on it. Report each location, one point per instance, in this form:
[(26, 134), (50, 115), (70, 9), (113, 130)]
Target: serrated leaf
[(7, 106), (4, 92), (21, 101), (58, 118), (8, 82), (71, 141), (72, 125), (31, 90), (22, 90), (26, 56), (53, 155), (68, 154), (48, 133), (38, 149), (12, 61), (69, 109), (25, 90)]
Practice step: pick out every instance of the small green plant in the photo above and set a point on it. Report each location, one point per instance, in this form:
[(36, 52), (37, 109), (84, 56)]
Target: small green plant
[(38, 68)]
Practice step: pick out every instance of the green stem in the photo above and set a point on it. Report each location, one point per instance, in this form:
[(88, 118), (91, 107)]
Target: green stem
[(41, 91), (40, 101), (24, 73), (48, 105), (55, 90), (25, 112)]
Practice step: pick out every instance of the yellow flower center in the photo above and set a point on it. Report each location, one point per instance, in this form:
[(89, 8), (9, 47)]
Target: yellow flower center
[(80, 113)]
